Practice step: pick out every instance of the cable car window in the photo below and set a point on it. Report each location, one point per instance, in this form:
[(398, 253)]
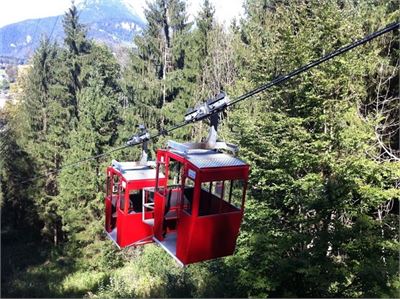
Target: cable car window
[(220, 197), (160, 170), (148, 198), (188, 195), (135, 201), (236, 190), (210, 198), (122, 198), (175, 171), (217, 189), (115, 184), (113, 189)]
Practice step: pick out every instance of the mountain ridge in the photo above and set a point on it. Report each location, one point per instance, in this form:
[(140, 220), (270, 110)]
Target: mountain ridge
[(112, 22)]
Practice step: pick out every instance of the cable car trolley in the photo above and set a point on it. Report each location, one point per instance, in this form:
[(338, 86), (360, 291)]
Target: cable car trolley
[(190, 201)]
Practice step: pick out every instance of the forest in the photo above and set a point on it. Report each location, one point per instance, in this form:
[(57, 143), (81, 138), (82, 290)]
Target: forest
[(322, 209)]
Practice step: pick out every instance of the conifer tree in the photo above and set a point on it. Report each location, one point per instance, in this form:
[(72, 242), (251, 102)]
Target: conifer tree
[(205, 23), (81, 193), (17, 207), (152, 77), (76, 46), (312, 215), (44, 122)]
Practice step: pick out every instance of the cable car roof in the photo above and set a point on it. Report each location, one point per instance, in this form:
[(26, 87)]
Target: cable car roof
[(211, 159), (134, 171)]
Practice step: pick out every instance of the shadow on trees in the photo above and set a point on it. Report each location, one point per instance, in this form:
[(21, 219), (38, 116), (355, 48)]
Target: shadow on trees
[(30, 265)]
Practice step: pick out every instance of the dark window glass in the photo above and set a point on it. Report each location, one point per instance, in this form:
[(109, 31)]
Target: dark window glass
[(236, 193), (135, 201), (122, 198), (220, 197), (188, 195)]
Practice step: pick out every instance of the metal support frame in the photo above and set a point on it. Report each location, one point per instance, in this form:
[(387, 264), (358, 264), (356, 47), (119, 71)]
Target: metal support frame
[(142, 137), (210, 109)]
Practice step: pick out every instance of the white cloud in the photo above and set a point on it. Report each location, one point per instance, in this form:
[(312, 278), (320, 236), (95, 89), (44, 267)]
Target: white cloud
[(225, 10), (136, 6)]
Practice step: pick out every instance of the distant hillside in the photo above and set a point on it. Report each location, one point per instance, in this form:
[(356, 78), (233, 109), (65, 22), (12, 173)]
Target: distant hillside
[(109, 21)]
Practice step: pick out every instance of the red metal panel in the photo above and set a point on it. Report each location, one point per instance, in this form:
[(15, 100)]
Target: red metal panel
[(183, 236), (126, 201), (213, 236), (133, 229), (196, 195), (159, 210), (107, 203), (140, 184), (120, 224), (224, 173)]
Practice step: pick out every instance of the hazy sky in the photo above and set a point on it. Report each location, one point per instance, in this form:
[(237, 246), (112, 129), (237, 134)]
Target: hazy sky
[(12, 11)]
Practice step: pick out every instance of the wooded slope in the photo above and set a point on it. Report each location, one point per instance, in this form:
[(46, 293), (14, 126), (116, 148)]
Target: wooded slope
[(322, 214)]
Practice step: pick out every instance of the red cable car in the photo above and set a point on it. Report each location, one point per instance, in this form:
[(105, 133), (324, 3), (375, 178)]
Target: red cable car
[(191, 203), (123, 202), (198, 210)]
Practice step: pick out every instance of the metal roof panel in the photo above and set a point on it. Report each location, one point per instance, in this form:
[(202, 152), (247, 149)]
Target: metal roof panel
[(212, 159), (133, 171)]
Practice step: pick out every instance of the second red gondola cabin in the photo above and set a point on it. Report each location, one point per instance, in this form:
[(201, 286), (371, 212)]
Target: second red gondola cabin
[(199, 209)]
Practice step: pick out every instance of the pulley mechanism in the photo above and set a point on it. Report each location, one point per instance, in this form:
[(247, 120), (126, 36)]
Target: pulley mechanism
[(142, 137), (209, 109)]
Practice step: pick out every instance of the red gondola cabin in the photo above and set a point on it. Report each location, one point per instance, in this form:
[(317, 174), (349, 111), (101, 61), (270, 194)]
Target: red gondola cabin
[(191, 204), (198, 211), (123, 203)]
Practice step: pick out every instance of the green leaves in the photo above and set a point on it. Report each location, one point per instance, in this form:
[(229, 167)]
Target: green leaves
[(315, 185), (320, 217)]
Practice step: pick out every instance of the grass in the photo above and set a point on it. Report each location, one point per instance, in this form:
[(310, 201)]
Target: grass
[(33, 268), (30, 268)]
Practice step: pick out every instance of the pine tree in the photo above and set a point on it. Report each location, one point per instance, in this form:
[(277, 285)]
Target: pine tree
[(17, 206), (44, 125), (80, 201), (313, 211), (154, 81), (76, 46), (205, 23)]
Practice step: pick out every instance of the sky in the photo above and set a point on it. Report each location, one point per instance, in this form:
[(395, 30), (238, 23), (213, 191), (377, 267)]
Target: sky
[(12, 11)]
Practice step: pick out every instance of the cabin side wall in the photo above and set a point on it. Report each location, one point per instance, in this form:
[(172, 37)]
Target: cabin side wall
[(211, 236)]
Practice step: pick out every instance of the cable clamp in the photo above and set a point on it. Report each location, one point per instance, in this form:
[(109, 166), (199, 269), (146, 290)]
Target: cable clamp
[(209, 107), (140, 137)]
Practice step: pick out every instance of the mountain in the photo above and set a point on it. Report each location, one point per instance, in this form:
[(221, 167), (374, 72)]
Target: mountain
[(113, 22)]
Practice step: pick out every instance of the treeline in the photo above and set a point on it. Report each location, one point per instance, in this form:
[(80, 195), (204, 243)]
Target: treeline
[(321, 216)]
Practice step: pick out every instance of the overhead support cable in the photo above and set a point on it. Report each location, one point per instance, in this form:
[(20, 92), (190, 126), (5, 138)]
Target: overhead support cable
[(221, 101), (304, 68)]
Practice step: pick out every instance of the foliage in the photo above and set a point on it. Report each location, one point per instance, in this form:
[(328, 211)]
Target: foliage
[(320, 217), (15, 167), (315, 190), (81, 204)]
